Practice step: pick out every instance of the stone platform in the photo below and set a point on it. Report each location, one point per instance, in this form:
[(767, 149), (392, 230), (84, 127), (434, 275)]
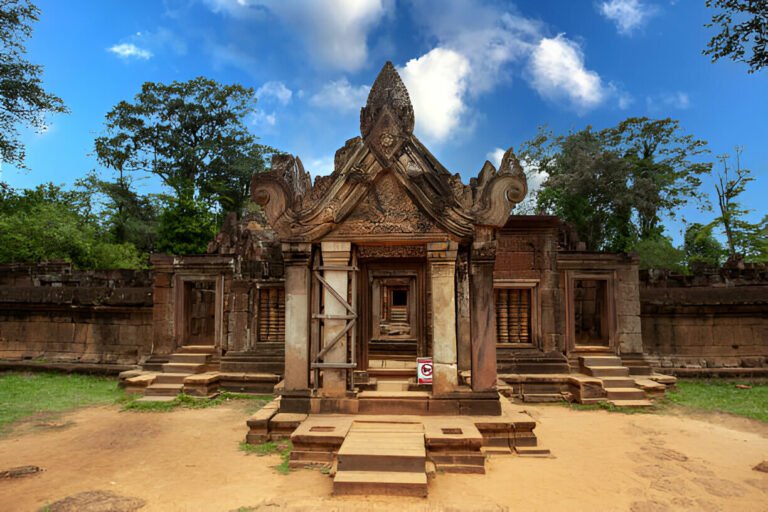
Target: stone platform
[(395, 453)]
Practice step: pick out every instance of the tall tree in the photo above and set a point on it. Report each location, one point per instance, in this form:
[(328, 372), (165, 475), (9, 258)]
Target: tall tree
[(586, 185), (743, 238), (701, 247), (662, 172), (126, 216), (192, 135), (743, 35), (23, 101)]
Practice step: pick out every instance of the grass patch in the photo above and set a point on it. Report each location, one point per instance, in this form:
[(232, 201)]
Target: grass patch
[(130, 403), (25, 394), (723, 396), (283, 448)]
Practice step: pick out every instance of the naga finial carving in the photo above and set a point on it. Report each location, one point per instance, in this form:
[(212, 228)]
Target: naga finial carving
[(496, 192), (281, 189)]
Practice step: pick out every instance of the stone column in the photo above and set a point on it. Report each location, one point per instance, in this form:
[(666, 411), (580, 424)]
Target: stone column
[(335, 254), (483, 316), (464, 335), (442, 270), (297, 282)]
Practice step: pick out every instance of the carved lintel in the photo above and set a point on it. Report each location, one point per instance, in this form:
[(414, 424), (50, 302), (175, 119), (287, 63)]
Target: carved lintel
[(391, 251)]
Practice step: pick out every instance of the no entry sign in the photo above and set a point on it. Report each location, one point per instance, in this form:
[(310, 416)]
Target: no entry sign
[(424, 370)]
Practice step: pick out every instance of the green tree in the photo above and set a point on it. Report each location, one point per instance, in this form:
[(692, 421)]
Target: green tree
[(743, 35), (586, 186), (186, 226), (192, 135), (657, 252), (127, 216), (23, 101), (616, 184), (701, 247), (743, 238), (663, 177), (48, 223)]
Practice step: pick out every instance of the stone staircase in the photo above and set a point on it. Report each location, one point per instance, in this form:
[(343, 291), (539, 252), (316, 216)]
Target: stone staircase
[(382, 458), (190, 360), (620, 387)]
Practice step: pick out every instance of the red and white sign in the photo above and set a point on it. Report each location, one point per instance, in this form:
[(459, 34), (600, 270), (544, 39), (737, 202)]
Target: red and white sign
[(424, 370)]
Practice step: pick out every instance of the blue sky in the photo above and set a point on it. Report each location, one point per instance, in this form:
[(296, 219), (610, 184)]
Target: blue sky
[(482, 74)]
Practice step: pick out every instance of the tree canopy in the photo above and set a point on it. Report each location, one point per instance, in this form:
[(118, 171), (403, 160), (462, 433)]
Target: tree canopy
[(49, 223), (743, 35), (192, 135), (743, 238), (616, 184), (23, 101)]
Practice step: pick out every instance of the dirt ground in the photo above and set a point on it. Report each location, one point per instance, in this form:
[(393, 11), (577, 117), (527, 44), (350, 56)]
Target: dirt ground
[(189, 460)]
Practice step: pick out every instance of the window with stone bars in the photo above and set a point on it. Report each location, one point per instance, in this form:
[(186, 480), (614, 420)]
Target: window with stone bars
[(271, 314), (513, 315)]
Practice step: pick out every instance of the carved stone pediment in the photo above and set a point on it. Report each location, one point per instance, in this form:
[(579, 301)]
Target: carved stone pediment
[(386, 182), (387, 209)]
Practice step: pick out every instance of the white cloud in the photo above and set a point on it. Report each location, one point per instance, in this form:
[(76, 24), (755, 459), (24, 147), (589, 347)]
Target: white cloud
[(495, 156), (628, 15), (668, 100), (130, 51), (321, 166), (263, 119), (489, 38), (437, 84), (276, 90), (335, 31), (558, 72), (341, 95)]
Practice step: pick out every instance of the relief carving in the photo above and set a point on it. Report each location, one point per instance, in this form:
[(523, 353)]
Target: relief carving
[(386, 209)]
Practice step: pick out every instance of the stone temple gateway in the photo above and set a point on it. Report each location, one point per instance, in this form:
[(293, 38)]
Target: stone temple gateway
[(389, 254), (331, 293)]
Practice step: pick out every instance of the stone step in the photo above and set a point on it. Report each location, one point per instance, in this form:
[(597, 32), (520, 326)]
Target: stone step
[(199, 349), (631, 403), (599, 361), (469, 459), (187, 368), (170, 378), (607, 371), (543, 397), (382, 451), (189, 357), (163, 390), (390, 483), (146, 399), (466, 469), (625, 394), (392, 385), (618, 382)]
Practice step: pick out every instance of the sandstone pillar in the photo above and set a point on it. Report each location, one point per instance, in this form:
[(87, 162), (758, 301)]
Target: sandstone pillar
[(335, 254), (297, 283), (483, 317), (442, 270), (464, 333)]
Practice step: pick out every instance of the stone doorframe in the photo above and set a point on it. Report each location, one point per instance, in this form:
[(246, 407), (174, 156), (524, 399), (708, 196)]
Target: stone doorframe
[(570, 325), (181, 313), (409, 269)]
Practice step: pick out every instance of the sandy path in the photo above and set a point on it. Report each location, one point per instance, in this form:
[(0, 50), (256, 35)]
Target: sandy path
[(189, 460)]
